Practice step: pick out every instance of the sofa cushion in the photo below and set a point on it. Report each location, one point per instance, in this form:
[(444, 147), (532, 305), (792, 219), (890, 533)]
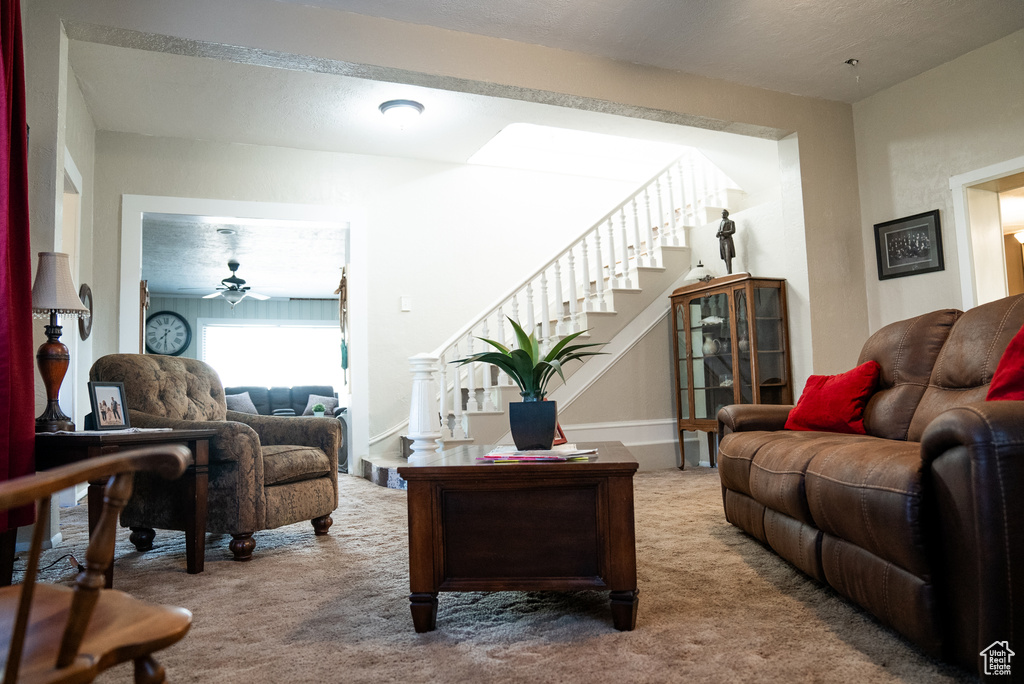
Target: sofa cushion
[(240, 402), (777, 469), (835, 403), (300, 396), (330, 403), (259, 395), (283, 463), (1008, 380), (968, 360), (906, 351), (870, 494)]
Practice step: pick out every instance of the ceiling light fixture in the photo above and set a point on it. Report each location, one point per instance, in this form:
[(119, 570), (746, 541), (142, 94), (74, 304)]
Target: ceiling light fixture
[(401, 113), (1020, 236), (226, 231)]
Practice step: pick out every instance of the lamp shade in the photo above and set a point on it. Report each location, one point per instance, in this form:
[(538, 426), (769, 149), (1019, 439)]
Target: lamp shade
[(53, 290), (698, 273)]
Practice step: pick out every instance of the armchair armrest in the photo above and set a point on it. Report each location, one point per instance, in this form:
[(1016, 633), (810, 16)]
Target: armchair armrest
[(235, 441), (752, 417), (322, 433), (974, 457)]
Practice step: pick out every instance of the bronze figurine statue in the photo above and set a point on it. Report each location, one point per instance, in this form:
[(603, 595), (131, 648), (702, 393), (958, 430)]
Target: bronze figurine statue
[(725, 245)]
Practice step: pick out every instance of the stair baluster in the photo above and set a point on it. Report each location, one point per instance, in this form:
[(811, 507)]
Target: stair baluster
[(559, 302), (652, 259), (442, 408), (602, 303), (588, 305), (473, 404), (459, 428), (674, 216), (573, 320), (613, 280), (625, 281), (545, 313), (485, 372), (638, 259)]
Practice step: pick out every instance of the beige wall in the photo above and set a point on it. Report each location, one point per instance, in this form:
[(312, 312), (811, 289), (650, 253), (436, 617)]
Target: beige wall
[(443, 234), (959, 117), (827, 186)]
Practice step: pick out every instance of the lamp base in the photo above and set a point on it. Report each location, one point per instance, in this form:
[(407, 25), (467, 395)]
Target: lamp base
[(52, 359), (46, 425)]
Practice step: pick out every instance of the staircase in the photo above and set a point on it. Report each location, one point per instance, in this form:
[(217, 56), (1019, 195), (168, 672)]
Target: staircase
[(623, 266)]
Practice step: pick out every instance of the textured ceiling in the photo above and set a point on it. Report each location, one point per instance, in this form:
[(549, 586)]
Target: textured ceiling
[(793, 46)]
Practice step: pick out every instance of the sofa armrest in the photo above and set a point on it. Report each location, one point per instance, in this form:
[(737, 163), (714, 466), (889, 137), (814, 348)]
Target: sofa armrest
[(752, 417), (974, 459), (322, 433)]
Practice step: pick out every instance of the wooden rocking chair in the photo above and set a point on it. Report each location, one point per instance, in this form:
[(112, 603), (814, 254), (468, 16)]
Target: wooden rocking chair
[(51, 633)]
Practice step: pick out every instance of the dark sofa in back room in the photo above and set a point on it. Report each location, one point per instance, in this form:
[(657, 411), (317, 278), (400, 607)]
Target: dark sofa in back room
[(921, 519), (292, 401)]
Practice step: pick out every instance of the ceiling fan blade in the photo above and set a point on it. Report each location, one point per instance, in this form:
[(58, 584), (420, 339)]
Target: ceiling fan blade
[(211, 295), (257, 295)]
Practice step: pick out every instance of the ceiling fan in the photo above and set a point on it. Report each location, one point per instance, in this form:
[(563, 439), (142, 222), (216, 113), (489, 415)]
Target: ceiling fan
[(233, 288)]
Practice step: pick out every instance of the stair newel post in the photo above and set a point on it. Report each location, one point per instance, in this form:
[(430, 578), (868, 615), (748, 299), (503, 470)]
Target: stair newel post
[(613, 280), (473, 404), (625, 282), (559, 300), (637, 251), (602, 305), (485, 369), (424, 424), (574, 309), (652, 260), (459, 428), (588, 305), (545, 313)]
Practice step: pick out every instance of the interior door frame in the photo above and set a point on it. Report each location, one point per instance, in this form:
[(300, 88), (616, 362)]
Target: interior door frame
[(133, 207), (960, 185)]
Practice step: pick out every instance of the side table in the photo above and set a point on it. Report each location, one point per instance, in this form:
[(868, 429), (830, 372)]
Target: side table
[(56, 449)]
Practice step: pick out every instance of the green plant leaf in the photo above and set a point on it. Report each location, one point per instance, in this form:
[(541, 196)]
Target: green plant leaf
[(494, 344)]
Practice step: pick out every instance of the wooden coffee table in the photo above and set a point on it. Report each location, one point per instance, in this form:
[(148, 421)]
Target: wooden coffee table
[(476, 526)]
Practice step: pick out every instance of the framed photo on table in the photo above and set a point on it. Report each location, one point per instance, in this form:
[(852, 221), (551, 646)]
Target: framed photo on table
[(909, 246), (108, 405)]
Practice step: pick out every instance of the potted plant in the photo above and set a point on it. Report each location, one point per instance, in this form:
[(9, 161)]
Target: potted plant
[(533, 420), (318, 410)]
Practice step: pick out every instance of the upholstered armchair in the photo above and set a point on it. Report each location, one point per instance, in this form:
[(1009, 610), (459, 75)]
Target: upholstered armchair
[(264, 472)]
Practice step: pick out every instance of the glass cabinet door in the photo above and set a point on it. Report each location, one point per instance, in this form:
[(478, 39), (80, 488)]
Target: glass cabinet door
[(772, 377), (744, 371), (711, 363), (682, 364)]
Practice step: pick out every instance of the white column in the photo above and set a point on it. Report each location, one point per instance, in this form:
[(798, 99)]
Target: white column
[(625, 282), (424, 426)]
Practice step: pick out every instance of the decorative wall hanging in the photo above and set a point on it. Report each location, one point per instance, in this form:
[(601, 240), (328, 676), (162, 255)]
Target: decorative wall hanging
[(909, 246)]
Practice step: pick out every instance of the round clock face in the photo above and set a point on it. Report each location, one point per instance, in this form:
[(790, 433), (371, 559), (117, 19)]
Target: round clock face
[(167, 333)]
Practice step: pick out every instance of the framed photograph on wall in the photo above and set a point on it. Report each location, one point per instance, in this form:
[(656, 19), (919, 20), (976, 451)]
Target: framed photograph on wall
[(108, 409), (909, 246)]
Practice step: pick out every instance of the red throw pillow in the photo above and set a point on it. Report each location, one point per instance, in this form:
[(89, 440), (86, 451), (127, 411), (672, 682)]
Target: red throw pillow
[(835, 403), (1008, 380)]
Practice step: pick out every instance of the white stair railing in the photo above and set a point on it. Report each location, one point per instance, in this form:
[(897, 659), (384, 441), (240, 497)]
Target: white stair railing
[(578, 280)]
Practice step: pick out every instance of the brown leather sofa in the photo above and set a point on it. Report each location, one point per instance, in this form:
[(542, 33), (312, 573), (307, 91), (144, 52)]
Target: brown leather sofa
[(921, 521)]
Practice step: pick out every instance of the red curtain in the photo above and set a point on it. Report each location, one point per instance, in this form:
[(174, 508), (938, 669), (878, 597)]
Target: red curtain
[(17, 396)]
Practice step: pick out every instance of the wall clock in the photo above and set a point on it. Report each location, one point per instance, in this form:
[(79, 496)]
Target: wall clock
[(85, 322), (168, 333)]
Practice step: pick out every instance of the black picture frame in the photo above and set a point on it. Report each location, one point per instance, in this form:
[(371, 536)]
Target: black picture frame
[(909, 246), (107, 415)]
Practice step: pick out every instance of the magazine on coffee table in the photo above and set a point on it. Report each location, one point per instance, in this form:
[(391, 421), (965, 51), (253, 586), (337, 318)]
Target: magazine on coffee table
[(562, 452)]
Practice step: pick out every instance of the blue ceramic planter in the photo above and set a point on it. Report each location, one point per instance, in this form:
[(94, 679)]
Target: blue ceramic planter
[(533, 424)]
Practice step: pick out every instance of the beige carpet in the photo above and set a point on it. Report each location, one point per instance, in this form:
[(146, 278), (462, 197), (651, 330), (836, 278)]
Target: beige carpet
[(715, 606)]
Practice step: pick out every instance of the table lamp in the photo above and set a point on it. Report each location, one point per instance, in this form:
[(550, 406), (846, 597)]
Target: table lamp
[(53, 293)]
